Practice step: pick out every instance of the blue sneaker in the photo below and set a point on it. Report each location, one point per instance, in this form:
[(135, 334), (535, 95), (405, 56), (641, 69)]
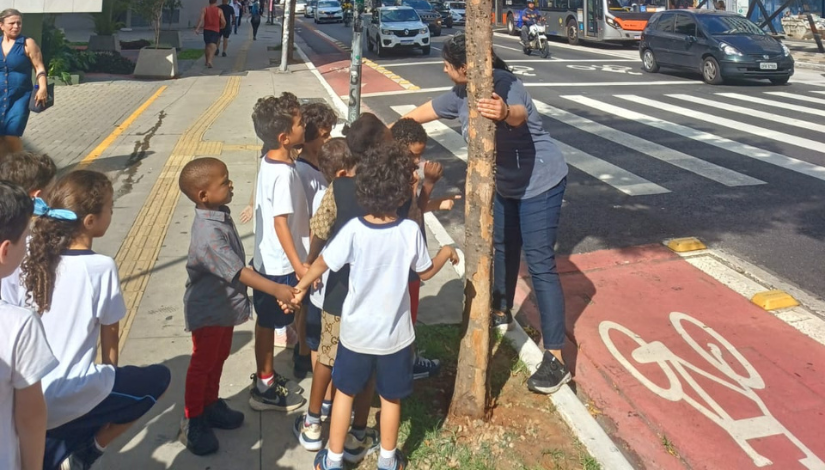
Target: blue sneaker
[(400, 462), (321, 462), (356, 449)]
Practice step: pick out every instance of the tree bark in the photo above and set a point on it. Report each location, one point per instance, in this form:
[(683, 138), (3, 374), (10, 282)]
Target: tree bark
[(471, 385)]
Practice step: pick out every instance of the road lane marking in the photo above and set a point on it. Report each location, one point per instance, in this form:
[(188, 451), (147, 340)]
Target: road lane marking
[(777, 104), (776, 118), (517, 61), (729, 123), (674, 157), (794, 96), (749, 151)]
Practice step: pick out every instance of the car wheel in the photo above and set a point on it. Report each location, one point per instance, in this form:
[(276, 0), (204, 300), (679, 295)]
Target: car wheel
[(437, 31), (379, 51), (573, 32), (511, 25), (316, 20), (425, 50), (710, 71), (649, 63), (780, 81), (370, 47), (450, 23)]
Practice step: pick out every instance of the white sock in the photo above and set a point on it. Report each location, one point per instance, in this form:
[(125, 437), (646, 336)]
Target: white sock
[(280, 331), (386, 459), (335, 458), (99, 447), (264, 384), (387, 454)]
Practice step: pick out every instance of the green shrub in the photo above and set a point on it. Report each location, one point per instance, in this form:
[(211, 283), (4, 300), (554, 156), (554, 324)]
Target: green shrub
[(112, 62)]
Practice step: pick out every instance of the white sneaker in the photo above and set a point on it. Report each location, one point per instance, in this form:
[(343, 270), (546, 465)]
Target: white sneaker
[(308, 435)]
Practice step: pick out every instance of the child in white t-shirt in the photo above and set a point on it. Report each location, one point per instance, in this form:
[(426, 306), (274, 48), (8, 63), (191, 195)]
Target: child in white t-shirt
[(25, 356), (89, 404), (281, 238), (376, 327)]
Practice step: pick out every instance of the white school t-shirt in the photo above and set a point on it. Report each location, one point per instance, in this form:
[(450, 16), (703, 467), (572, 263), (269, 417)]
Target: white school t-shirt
[(25, 358), (86, 296), (313, 181), (317, 295), (376, 313), (279, 192), (10, 285)]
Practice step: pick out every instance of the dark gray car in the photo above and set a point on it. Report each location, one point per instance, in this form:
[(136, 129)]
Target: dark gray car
[(720, 45)]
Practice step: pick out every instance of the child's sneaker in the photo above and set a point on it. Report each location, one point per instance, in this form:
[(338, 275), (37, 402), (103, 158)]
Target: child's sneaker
[(321, 462), (286, 337), (291, 385), (82, 459), (309, 435), (400, 462), (220, 416), (355, 450), (197, 436), (302, 364), (424, 368), (276, 398)]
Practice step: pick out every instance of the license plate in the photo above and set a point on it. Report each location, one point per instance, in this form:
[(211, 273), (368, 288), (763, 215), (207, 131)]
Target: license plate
[(637, 36), (767, 66), (406, 41), (330, 14)]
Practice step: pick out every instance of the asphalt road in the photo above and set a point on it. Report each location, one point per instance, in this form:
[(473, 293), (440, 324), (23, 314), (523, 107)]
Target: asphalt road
[(652, 156)]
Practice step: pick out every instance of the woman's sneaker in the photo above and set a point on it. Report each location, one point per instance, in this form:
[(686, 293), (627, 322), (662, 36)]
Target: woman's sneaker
[(220, 416), (276, 398), (309, 435), (355, 450), (502, 321), (550, 376), (400, 462), (197, 436)]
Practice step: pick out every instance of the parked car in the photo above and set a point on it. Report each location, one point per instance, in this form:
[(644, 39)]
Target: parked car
[(720, 45), (309, 10), (425, 11), (329, 10), (397, 27)]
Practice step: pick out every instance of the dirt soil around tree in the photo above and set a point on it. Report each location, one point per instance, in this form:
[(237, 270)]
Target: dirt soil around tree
[(524, 431)]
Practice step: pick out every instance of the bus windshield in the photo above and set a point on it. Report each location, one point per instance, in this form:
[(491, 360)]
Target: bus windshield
[(728, 25)]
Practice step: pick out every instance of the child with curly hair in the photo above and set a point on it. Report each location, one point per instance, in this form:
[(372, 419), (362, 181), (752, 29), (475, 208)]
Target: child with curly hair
[(381, 249), (77, 292)]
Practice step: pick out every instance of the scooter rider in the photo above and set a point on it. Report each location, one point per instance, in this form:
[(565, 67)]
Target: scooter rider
[(529, 17)]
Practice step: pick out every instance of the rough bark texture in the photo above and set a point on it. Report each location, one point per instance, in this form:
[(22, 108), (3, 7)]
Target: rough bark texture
[(471, 384)]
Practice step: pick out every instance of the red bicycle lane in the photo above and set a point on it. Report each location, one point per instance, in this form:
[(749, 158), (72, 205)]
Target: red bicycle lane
[(686, 372)]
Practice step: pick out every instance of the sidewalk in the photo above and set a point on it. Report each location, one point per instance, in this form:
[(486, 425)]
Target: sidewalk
[(206, 113), (806, 54)]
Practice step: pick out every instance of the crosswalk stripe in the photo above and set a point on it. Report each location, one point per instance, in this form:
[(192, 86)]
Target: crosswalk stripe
[(730, 123), (441, 133), (619, 178), (751, 112), (652, 149), (777, 104), (749, 151), (794, 96), (820, 92)]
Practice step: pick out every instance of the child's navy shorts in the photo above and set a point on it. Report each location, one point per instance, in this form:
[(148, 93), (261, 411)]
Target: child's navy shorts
[(393, 372), (270, 314), (313, 329)]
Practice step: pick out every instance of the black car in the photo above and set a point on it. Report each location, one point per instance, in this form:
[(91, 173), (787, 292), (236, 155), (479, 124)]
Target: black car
[(718, 44), (444, 11)]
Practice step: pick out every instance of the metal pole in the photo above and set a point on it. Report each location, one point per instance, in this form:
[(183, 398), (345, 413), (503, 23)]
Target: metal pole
[(354, 103), (285, 26)]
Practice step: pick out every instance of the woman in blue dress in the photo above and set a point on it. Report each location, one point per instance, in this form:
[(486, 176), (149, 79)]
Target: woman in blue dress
[(20, 55)]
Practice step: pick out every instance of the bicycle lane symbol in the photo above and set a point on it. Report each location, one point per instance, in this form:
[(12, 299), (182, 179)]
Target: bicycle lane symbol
[(605, 68), (680, 374)]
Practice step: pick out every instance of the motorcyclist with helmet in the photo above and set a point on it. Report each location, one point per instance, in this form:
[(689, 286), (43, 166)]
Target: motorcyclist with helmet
[(529, 16)]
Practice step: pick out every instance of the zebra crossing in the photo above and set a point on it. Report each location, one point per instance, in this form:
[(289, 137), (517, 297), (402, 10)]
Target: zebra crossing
[(654, 113)]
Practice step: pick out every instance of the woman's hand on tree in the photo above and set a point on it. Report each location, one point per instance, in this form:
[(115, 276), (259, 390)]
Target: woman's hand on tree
[(493, 108)]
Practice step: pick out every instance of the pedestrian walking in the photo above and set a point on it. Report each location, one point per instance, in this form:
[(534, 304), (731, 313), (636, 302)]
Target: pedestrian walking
[(211, 22), (20, 56), (531, 176), (238, 8), (228, 13), (255, 19)]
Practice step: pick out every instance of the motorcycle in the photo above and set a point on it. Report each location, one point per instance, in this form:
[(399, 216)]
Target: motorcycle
[(347, 16), (537, 40)]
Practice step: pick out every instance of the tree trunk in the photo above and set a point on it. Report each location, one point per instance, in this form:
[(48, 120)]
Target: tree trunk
[(290, 51), (471, 385)]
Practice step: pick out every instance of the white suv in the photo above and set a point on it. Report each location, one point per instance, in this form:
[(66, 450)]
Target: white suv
[(397, 27)]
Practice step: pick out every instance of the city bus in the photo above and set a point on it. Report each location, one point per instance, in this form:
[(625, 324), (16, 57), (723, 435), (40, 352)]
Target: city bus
[(616, 21)]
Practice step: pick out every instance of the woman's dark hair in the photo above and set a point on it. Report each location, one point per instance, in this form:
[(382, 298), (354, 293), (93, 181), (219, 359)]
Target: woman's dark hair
[(454, 51), (364, 133), (317, 116), (384, 178), (334, 157), (83, 192), (16, 208)]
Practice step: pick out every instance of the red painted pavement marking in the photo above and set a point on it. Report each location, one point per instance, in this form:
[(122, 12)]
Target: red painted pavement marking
[(636, 290)]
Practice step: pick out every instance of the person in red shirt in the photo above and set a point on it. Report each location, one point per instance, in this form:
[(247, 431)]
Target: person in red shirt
[(211, 22)]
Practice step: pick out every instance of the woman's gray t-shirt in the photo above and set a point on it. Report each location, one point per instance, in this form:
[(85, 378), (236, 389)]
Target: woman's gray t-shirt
[(528, 162)]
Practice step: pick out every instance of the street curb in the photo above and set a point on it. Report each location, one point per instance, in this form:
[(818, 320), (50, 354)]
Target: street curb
[(810, 66)]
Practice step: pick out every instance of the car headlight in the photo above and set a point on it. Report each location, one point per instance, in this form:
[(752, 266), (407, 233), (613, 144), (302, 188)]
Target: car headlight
[(424, 31), (785, 51), (730, 50), (385, 32)]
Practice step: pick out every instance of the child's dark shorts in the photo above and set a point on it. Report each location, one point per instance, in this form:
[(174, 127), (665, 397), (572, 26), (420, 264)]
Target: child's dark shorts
[(313, 327), (270, 314), (393, 372)]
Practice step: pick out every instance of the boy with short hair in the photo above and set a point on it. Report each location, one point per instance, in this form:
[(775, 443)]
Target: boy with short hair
[(215, 302), (25, 355), (281, 237), (380, 248)]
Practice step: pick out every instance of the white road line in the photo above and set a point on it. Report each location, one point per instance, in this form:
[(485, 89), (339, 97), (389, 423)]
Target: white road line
[(678, 159), (508, 47), (774, 103), (441, 133), (541, 85), (606, 172), (729, 123), (820, 92), (749, 151), (517, 61), (794, 96), (788, 121)]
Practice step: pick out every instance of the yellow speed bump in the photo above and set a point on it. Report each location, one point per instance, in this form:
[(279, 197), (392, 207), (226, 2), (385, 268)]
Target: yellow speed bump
[(774, 300), (682, 245)]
